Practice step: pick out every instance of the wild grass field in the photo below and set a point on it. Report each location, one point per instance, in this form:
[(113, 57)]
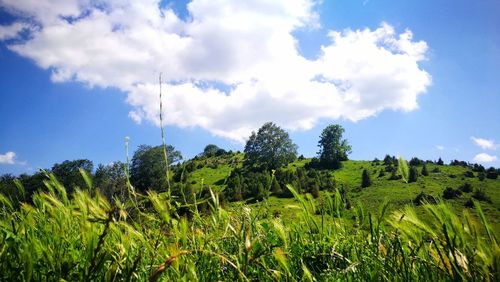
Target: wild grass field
[(382, 234)]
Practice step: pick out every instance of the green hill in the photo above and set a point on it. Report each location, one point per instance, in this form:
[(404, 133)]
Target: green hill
[(214, 172)]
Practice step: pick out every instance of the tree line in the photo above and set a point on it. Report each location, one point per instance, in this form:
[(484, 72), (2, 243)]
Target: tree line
[(263, 172)]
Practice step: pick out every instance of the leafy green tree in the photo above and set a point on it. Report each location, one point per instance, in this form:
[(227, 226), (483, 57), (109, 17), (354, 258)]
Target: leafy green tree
[(147, 168), (213, 150), (269, 148), (333, 149), (366, 180), (440, 162), (111, 181), (68, 173)]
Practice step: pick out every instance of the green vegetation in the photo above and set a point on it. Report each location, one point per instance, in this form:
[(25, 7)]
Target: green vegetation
[(84, 237), (219, 216), (269, 148), (333, 149)]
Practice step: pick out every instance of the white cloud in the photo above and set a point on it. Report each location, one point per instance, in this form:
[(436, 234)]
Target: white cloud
[(247, 50), (484, 158), (8, 158), (135, 116), (485, 144), (440, 147), (13, 30)]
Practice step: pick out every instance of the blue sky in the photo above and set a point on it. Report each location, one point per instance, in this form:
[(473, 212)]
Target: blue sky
[(410, 78)]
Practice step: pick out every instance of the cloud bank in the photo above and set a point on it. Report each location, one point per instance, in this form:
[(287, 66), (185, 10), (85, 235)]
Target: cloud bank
[(229, 66)]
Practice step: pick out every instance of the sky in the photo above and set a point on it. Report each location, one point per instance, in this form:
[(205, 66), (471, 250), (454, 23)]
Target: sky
[(408, 78)]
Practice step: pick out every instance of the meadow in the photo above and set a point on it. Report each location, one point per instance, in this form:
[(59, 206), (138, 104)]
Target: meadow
[(383, 236)]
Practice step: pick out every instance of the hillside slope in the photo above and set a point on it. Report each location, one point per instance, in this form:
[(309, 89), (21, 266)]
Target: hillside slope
[(214, 171)]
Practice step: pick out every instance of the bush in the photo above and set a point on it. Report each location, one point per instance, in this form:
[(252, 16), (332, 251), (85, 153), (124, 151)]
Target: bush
[(469, 174), (416, 162), (469, 204), (450, 193), (413, 175), (481, 176), (491, 173), (366, 180), (436, 170), (480, 195), (425, 172), (466, 188), (423, 198)]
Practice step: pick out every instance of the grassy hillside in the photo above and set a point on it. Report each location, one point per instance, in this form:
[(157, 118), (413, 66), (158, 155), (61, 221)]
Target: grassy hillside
[(214, 171)]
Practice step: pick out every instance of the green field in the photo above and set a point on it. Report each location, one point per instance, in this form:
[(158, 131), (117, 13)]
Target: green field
[(151, 236)]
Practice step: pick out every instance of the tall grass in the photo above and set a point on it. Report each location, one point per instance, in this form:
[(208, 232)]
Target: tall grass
[(83, 237)]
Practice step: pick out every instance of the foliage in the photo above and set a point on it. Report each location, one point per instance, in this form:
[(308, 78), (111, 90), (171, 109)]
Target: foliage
[(147, 168), (416, 162), (412, 175), (492, 173), (403, 169), (466, 188), (424, 171), (269, 148), (212, 150), (83, 237), (450, 193), (68, 173), (366, 180), (333, 149), (111, 181)]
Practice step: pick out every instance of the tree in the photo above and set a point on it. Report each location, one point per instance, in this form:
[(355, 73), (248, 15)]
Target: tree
[(413, 175), (425, 172), (333, 149), (269, 148), (147, 169), (440, 162), (213, 150), (366, 180), (111, 181), (68, 173)]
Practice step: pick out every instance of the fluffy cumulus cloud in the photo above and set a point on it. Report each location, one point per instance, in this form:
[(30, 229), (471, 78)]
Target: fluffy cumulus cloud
[(484, 158), (228, 66), (485, 144), (8, 158)]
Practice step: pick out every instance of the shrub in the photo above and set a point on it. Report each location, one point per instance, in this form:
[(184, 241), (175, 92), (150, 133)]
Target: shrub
[(466, 188), (423, 198), (469, 204), (491, 173), (469, 174), (450, 193), (413, 175), (425, 172), (481, 176), (480, 195), (366, 180), (416, 162)]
